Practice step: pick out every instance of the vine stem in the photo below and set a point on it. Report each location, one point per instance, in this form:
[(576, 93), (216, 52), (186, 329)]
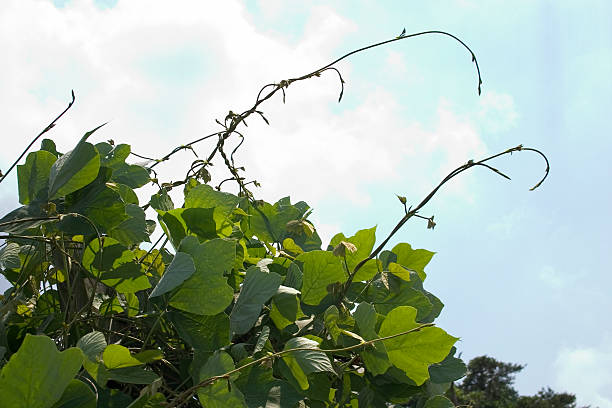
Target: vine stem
[(413, 212), (45, 130), (182, 397)]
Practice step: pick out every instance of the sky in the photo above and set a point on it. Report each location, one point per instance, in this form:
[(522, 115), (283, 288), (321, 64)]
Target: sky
[(525, 276)]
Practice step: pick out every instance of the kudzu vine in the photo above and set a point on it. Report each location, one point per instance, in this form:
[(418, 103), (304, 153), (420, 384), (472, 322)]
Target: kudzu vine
[(234, 305)]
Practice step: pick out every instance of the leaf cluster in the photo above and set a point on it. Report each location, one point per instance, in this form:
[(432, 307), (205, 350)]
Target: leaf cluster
[(237, 303)]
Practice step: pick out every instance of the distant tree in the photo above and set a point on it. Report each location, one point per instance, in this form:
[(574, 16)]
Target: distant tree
[(547, 398), (489, 384)]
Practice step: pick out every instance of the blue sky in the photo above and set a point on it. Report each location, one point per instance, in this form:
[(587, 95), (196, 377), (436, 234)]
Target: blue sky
[(524, 275)]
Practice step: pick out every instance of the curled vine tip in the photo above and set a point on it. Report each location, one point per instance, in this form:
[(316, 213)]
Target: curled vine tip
[(547, 166)]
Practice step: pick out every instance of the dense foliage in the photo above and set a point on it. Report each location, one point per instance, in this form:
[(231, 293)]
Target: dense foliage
[(237, 304), (489, 384)]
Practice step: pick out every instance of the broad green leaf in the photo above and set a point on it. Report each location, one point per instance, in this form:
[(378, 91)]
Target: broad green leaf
[(205, 333), (200, 221), (331, 318), (414, 352), (132, 175), (206, 292), (117, 356), (127, 194), (113, 156), (404, 295), (439, 401), (132, 375), (286, 307), (374, 357), (161, 201), (415, 259), (148, 356), (33, 176), (37, 375), (364, 241), (77, 395), (134, 229), (12, 222), (92, 344), (204, 196), (262, 390), (221, 393), (149, 401), (116, 266), (75, 169), (9, 256), (257, 288), (173, 225), (449, 370), (100, 203), (303, 362), (269, 222), (321, 269), (49, 146), (181, 268), (263, 337)]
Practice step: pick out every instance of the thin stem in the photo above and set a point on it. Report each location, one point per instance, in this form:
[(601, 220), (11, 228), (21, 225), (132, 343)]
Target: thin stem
[(45, 130)]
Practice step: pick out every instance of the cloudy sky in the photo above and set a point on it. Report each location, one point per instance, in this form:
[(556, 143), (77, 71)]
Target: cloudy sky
[(525, 276)]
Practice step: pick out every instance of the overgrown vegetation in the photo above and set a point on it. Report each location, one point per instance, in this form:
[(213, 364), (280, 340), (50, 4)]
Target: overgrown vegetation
[(237, 304)]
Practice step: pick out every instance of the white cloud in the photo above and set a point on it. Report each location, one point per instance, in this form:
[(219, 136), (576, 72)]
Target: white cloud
[(497, 112), (585, 371), (120, 63)]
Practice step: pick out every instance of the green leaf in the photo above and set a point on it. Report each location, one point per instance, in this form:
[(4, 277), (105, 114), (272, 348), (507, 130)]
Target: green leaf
[(414, 352), (127, 194), (415, 259), (286, 307), (37, 375), (449, 370), (262, 339), (113, 157), (173, 225), (9, 256), (200, 221), (92, 344), (134, 229), (204, 196), (132, 375), (303, 362), (331, 318), (132, 175), (115, 266), (149, 401), (269, 222), (75, 169), (374, 357), (364, 241), (257, 288), (262, 390), (33, 210), (161, 201), (204, 333), (149, 356), (33, 176), (321, 268), (439, 401), (49, 146), (206, 292), (77, 395), (117, 356), (403, 295), (180, 269), (221, 393)]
